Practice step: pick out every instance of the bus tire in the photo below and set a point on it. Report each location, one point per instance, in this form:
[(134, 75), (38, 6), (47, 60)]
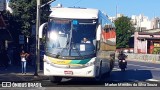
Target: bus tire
[(55, 79), (107, 74), (99, 77)]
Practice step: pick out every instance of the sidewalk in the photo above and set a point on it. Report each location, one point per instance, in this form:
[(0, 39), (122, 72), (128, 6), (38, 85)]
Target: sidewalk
[(13, 74)]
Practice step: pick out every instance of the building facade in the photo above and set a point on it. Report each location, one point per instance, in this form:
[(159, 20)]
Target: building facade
[(147, 42), (147, 35), (155, 23), (142, 22)]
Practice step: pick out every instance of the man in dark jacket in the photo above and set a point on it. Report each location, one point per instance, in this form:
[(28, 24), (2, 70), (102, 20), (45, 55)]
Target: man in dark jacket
[(121, 56)]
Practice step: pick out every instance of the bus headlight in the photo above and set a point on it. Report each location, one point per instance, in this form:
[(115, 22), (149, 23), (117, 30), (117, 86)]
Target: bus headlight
[(90, 63), (45, 58)]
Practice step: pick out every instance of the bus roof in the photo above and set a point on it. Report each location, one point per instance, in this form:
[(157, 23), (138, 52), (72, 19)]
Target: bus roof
[(75, 13)]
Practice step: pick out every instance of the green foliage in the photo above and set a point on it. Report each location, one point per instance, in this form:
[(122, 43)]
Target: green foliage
[(24, 13), (124, 30), (11, 24), (156, 51)]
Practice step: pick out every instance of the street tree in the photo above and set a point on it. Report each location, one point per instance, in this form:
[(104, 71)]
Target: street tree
[(124, 30), (10, 24), (24, 13)]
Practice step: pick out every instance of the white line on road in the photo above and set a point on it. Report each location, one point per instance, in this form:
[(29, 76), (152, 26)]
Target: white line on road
[(144, 66), (154, 80), (151, 68), (117, 69)]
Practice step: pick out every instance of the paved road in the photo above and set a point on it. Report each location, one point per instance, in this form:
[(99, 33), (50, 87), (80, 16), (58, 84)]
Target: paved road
[(137, 72)]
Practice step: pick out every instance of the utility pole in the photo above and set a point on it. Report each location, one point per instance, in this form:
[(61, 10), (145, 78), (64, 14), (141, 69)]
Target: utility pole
[(37, 61)]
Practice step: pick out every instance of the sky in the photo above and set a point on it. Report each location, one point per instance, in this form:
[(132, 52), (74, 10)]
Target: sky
[(149, 8)]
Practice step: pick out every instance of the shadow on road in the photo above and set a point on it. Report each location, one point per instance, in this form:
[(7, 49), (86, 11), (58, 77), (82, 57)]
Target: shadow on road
[(130, 75), (15, 69), (80, 82), (116, 77)]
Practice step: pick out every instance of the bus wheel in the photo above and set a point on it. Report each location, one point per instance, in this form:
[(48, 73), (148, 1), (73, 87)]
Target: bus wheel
[(99, 77), (55, 79), (107, 74)]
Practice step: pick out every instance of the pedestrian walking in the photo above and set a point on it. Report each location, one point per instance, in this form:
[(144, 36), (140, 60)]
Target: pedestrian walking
[(24, 57)]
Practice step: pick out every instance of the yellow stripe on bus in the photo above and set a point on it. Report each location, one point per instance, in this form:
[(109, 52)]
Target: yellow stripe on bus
[(59, 61)]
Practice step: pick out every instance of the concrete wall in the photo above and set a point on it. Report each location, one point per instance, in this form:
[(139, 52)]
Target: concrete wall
[(135, 42), (152, 58), (141, 45)]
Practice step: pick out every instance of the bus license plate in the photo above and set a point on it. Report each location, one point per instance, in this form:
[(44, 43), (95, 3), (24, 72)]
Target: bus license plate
[(68, 72)]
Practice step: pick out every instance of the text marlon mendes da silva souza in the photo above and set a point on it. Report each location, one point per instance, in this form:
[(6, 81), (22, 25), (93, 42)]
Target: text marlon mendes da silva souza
[(131, 84)]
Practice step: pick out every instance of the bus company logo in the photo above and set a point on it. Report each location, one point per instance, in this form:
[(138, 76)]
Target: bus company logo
[(6, 84)]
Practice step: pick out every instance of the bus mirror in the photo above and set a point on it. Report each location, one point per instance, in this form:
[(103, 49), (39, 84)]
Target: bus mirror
[(41, 28), (98, 35)]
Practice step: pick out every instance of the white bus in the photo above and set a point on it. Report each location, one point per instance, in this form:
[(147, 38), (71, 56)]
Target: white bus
[(66, 53)]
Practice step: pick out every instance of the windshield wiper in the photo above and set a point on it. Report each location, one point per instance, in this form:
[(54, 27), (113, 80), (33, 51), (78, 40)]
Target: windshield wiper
[(70, 40), (52, 55)]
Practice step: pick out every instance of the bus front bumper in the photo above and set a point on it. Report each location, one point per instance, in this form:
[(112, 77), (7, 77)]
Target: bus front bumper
[(89, 71)]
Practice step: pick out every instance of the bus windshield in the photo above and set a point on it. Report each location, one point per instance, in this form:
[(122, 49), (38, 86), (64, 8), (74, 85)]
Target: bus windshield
[(71, 40)]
